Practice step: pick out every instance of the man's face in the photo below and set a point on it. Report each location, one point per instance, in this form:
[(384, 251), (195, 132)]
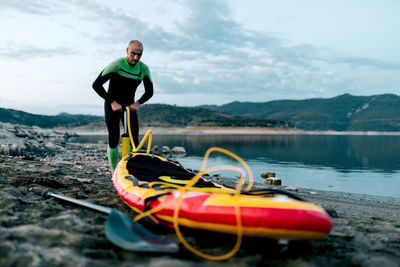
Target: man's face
[(134, 53)]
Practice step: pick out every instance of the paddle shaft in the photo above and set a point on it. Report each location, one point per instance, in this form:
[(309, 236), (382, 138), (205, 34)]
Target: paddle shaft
[(78, 202), (125, 122)]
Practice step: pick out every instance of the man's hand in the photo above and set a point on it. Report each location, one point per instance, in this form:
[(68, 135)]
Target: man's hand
[(116, 106), (134, 107)]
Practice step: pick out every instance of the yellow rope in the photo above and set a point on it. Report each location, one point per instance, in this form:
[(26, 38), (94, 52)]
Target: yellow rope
[(147, 135), (237, 209), (189, 187)]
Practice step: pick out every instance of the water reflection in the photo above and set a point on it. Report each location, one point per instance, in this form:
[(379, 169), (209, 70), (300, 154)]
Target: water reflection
[(344, 153)]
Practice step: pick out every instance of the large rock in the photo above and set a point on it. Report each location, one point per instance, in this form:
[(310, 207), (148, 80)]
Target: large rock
[(178, 150), (165, 150), (16, 140)]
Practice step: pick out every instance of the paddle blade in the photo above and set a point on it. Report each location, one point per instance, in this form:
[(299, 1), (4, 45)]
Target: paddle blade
[(123, 232)]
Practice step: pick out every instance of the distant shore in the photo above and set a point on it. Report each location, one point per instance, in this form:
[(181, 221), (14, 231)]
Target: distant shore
[(238, 131)]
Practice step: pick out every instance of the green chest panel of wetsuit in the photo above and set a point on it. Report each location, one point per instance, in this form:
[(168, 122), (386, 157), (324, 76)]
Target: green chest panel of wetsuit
[(124, 80)]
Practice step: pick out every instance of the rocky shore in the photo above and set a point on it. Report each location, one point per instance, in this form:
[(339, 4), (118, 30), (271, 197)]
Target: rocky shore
[(20, 140), (45, 232)]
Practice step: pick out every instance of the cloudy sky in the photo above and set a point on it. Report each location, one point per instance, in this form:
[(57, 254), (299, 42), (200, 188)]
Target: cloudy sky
[(198, 51)]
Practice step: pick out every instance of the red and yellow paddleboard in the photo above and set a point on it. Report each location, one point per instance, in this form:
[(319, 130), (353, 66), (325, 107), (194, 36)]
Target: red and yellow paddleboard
[(146, 181)]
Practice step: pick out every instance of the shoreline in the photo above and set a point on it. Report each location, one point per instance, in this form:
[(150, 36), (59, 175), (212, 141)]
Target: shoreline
[(239, 131)]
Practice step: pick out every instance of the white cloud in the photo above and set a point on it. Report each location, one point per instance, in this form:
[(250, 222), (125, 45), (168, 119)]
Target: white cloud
[(36, 7), (24, 51)]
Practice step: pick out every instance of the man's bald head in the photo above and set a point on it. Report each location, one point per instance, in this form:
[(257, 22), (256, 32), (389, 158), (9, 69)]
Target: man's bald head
[(135, 43), (134, 52)]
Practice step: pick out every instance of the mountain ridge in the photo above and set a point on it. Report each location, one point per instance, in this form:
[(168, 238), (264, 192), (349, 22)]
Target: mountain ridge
[(150, 115), (341, 113)]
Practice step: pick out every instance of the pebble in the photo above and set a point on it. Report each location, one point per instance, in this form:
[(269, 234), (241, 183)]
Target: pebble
[(267, 174), (4, 149), (63, 163), (273, 181), (291, 188)]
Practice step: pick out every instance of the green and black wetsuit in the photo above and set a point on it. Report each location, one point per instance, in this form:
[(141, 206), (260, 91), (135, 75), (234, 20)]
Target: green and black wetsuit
[(124, 80)]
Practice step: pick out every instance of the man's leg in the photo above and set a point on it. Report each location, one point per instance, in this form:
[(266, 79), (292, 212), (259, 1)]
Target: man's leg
[(112, 121)]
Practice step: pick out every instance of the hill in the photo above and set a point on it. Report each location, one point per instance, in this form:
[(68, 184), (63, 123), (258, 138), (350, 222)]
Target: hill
[(342, 113), (161, 115), (153, 115), (46, 121)]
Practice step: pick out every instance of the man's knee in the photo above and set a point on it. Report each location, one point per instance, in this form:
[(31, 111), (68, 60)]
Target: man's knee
[(113, 141)]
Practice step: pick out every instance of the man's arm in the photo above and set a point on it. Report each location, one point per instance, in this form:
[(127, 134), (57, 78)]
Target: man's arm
[(148, 90), (98, 87), (148, 93)]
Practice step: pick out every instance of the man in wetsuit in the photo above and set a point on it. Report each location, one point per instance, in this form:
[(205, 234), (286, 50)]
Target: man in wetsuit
[(125, 75)]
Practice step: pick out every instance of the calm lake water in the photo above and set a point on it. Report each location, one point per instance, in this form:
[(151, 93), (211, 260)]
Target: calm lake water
[(349, 163)]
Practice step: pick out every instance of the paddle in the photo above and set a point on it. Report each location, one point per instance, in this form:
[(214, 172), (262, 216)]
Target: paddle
[(122, 231)]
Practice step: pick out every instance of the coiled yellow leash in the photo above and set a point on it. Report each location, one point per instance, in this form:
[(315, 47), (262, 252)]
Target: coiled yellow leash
[(126, 137), (189, 187)]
